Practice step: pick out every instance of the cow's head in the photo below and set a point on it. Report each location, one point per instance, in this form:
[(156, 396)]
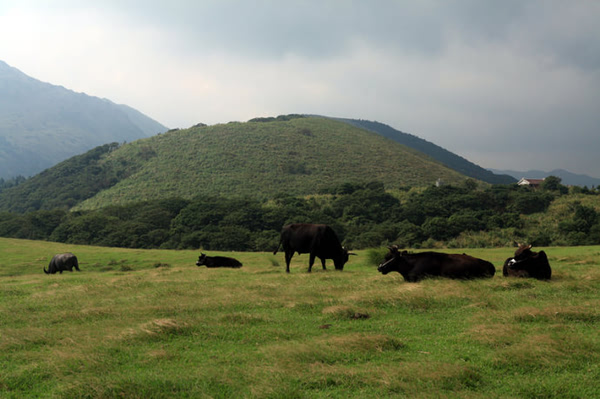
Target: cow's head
[(342, 260), (515, 266), (201, 260), (523, 252), (394, 262)]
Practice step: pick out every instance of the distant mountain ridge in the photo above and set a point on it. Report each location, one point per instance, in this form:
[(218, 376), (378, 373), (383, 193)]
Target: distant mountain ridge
[(42, 124), (444, 156), (567, 178)]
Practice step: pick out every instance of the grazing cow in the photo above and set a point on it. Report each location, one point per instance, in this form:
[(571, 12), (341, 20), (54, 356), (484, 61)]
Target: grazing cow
[(217, 261), (527, 263), (414, 267), (318, 240), (62, 262)]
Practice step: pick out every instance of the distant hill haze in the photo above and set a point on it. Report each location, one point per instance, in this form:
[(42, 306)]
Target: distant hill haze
[(42, 124), (567, 178)]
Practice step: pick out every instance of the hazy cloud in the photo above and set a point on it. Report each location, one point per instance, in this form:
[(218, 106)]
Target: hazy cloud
[(507, 84)]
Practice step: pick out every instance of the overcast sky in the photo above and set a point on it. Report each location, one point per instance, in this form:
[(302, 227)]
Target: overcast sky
[(506, 84)]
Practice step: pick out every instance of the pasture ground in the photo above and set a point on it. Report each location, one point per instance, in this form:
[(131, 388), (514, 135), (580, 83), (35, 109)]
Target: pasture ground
[(150, 324)]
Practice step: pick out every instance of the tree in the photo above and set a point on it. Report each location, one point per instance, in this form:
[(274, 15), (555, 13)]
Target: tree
[(552, 183)]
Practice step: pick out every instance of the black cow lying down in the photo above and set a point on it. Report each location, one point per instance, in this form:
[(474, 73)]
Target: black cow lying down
[(527, 263), (62, 262), (414, 267), (217, 261)]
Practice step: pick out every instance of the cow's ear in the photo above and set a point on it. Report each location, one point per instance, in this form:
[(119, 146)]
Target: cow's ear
[(528, 246)]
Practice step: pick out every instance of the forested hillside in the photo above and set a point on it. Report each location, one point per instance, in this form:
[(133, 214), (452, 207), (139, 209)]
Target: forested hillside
[(257, 159), (68, 183), (363, 215)]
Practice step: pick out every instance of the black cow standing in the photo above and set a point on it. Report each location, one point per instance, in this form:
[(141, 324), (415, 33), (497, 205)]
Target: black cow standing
[(318, 240), (217, 261), (414, 267), (62, 262), (527, 263)]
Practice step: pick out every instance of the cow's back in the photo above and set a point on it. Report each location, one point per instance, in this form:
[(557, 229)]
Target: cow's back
[(541, 269), (451, 265), (302, 237), (63, 262), (329, 243)]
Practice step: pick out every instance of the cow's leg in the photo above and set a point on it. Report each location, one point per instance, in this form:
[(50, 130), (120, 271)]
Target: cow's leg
[(288, 258), (323, 263), (311, 262)]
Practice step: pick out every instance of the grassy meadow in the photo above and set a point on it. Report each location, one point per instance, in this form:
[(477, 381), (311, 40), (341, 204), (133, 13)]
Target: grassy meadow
[(150, 324)]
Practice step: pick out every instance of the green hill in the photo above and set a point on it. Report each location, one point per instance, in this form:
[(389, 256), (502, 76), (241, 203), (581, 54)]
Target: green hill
[(261, 159)]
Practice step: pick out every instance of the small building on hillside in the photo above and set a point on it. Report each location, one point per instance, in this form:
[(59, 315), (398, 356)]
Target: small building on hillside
[(533, 183)]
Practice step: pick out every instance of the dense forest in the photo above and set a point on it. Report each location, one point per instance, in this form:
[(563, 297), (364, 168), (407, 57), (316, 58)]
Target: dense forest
[(363, 215)]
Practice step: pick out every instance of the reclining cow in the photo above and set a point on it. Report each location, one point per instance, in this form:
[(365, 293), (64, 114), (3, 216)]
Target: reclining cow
[(217, 261), (414, 267), (527, 263), (62, 262)]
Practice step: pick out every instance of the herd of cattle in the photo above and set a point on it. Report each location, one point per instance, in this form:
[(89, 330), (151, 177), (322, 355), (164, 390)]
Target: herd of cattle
[(320, 241)]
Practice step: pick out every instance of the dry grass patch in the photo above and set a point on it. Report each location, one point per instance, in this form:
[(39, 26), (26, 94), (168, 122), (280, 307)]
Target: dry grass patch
[(494, 335), (330, 349), (341, 312), (406, 379), (532, 352), (239, 318), (562, 314), (156, 329), (16, 338)]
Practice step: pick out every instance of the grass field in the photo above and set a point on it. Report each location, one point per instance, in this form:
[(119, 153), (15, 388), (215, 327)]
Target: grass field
[(150, 324)]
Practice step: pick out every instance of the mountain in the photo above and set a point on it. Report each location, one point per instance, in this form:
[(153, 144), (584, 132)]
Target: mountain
[(295, 155), (446, 157), (42, 124), (567, 178)]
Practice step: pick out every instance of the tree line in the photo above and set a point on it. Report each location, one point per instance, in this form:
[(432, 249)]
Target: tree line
[(363, 215)]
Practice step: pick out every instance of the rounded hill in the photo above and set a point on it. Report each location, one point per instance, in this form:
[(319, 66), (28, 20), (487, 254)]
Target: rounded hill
[(264, 158)]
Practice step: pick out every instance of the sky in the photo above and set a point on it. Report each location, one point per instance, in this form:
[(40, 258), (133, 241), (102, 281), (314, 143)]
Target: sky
[(510, 84)]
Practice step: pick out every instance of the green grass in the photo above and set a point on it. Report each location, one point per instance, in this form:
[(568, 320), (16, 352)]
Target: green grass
[(125, 327)]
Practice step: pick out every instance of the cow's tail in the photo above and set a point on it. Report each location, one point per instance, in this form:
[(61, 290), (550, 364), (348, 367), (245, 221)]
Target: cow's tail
[(278, 246)]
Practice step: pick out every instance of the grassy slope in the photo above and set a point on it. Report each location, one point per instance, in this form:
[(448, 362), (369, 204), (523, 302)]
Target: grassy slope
[(183, 331), (299, 156), (448, 158)]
